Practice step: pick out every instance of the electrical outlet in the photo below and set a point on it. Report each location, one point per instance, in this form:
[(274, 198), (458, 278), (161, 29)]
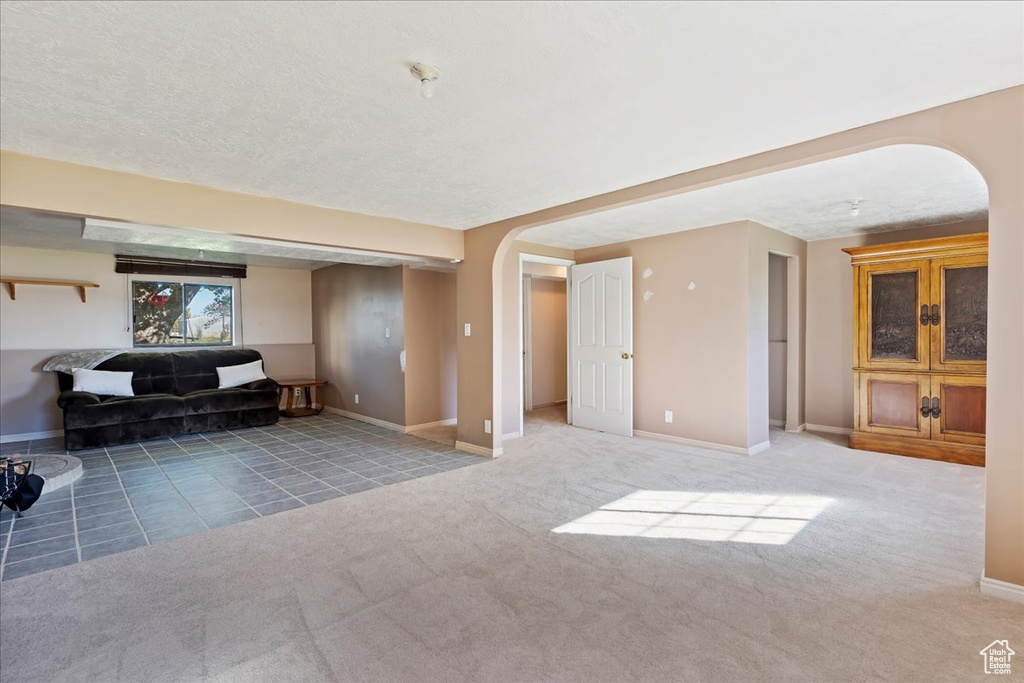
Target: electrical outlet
[(387, 333), (487, 426), (357, 399), (298, 392), (668, 416)]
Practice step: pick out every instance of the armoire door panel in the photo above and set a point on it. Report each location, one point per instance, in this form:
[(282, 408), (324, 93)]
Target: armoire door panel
[(890, 324), (890, 403), (959, 286), (962, 403), (920, 347)]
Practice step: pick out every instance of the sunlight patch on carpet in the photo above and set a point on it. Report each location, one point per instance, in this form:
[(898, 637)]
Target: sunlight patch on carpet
[(697, 516)]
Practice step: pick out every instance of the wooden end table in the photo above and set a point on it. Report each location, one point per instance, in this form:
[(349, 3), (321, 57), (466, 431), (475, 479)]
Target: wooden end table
[(310, 389)]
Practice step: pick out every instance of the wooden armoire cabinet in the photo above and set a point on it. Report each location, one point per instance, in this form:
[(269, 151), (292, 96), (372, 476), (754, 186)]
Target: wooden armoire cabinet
[(919, 337)]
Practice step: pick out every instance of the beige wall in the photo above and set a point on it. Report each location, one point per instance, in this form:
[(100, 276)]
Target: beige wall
[(546, 269), (829, 384), (689, 346), (354, 309), (703, 353), (276, 306), (548, 339), (777, 332), (274, 317), (45, 184), (55, 317), (430, 363)]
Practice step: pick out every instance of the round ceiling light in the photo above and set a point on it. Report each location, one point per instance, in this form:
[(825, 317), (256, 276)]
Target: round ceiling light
[(427, 73)]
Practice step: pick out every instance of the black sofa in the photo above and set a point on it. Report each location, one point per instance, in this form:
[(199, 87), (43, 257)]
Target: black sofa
[(175, 393)]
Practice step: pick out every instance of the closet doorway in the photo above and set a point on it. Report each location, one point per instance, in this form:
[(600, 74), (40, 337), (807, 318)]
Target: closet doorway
[(544, 340)]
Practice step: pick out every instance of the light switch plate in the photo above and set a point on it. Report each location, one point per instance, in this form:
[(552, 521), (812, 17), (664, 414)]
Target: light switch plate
[(487, 426), (467, 329), (668, 416), (357, 399)]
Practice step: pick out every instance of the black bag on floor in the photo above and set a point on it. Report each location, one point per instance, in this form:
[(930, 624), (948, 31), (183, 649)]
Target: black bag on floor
[(26, 494)]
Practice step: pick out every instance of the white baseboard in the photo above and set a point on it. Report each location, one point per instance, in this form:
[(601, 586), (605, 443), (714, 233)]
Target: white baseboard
[(797, 430), (736, 450), (512, 435), (828, 429), (28, 436), (364, 418), (1004, 590), (759, 448), (776, 423), (539, 406), (412, 429), (473, 449)]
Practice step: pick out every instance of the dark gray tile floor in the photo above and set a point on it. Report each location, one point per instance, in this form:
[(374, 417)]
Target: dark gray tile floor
[(143, 493)]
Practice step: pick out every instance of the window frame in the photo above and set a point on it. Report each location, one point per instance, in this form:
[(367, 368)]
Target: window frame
[(183, 281)]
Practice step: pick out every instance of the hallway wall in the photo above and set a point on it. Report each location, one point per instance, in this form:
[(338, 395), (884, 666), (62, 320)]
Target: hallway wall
[(549, 324), (777, 333)]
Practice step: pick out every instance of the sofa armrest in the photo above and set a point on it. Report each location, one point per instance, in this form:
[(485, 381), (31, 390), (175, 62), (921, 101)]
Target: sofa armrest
[(76, 398), (262, 385)]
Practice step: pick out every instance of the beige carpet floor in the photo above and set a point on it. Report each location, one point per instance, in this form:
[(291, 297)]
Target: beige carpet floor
[(830, 565)]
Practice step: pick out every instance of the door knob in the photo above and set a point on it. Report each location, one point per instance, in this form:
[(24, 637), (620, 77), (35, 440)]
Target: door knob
[(627, 356)]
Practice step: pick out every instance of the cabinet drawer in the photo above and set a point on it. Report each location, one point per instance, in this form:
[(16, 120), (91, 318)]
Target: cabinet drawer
[(961, 409), (890, 403)]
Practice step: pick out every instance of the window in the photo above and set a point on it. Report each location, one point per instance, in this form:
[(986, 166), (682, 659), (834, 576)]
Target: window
[(176, 313)]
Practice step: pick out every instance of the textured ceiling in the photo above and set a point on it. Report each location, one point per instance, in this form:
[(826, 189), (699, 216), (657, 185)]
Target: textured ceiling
[(538, 103), (48, 231), (898, 187)]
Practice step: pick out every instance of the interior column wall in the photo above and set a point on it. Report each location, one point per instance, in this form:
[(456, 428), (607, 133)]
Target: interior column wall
[(428, 301)]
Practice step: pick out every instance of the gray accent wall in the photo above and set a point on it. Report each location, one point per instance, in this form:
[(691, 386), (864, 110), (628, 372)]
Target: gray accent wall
[(364, 318), (358, 328)]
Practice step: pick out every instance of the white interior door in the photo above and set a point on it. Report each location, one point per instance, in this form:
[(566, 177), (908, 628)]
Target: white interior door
[(601, 345)]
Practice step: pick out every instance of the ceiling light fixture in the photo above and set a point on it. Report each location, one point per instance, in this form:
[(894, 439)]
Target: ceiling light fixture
[(855, 207), (427, 73), (455, 261)]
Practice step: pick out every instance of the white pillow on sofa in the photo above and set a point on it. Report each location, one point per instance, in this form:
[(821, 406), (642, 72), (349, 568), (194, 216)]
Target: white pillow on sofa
[(103, 382), (237, 375)]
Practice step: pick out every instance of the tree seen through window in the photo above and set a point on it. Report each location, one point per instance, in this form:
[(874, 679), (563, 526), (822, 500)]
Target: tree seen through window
[(173, 313)]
